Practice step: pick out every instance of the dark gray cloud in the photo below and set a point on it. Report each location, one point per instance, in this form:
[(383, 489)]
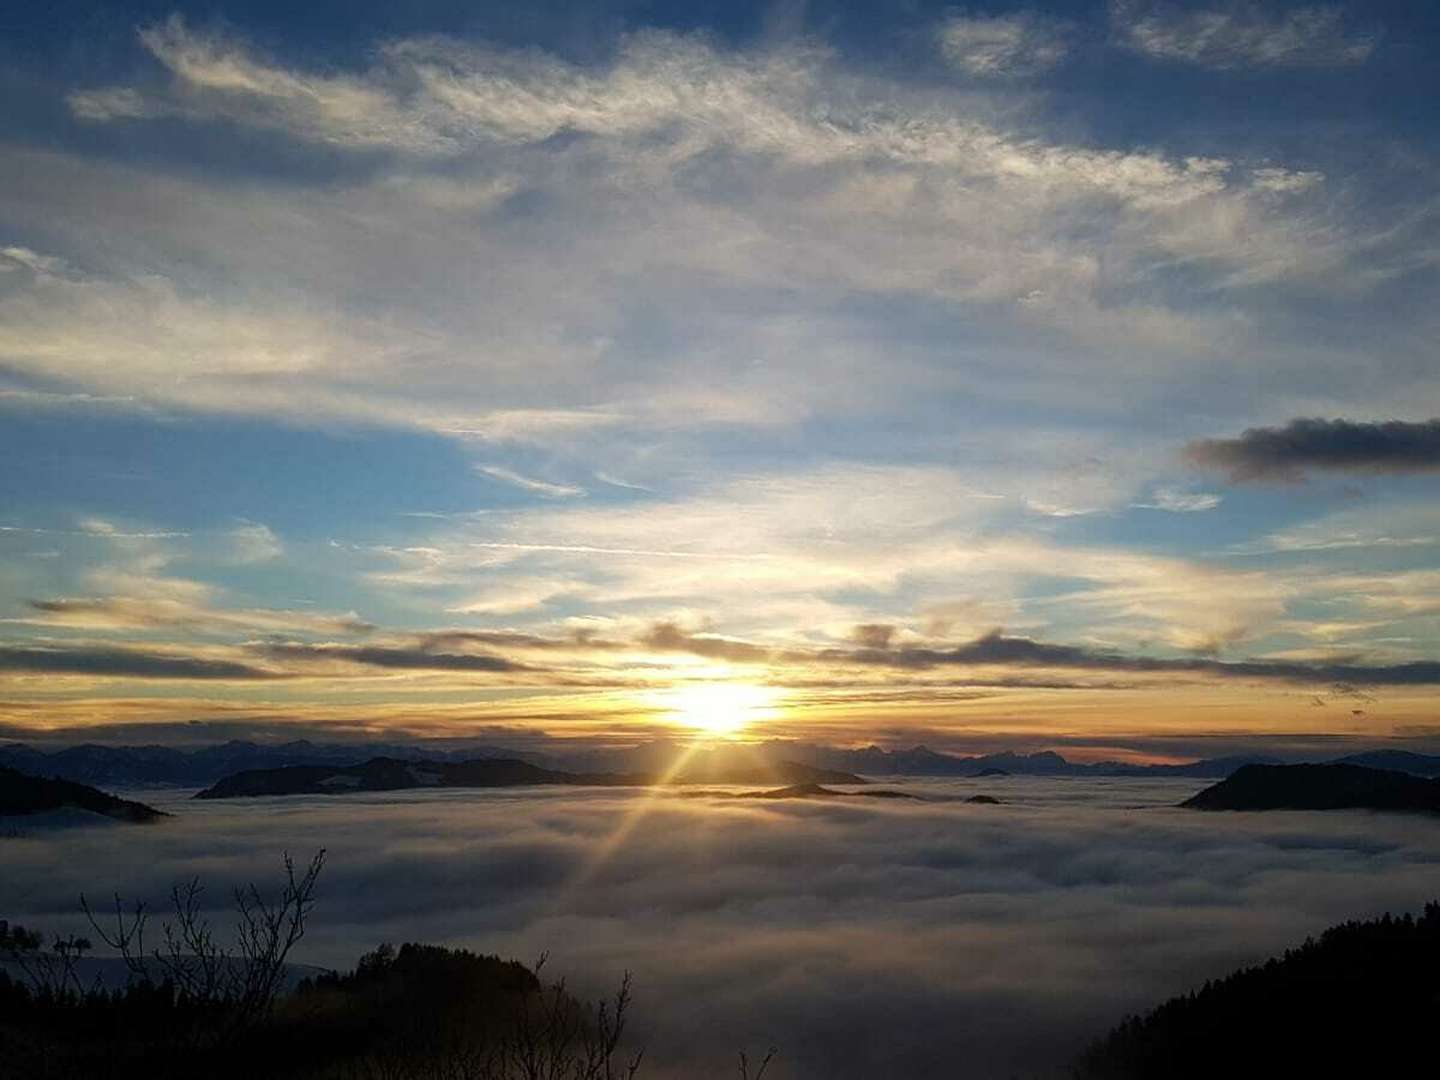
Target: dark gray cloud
[(873, 635), (515, 639), (999, 650), (920, 940), (145, 613), (408, 659), (1286, 453), (994, 649), (127, 663), (667, 637)]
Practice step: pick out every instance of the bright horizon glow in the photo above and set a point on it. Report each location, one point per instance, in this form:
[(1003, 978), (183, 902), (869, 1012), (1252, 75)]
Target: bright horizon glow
[(721, 708)]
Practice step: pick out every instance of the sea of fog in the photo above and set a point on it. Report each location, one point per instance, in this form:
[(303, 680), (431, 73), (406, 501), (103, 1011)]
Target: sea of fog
[(861, 937)]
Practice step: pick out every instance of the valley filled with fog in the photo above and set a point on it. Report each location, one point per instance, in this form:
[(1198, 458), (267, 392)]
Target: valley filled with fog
[(860, 937)]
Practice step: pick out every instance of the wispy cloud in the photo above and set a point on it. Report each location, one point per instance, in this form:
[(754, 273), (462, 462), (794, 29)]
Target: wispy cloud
[(991, 46), (843, 183), (15, 257), (529, 483), (1244, 34), (1180, 502), (142, 613)]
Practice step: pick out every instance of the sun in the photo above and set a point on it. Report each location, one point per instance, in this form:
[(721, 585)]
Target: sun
[(720, 708)]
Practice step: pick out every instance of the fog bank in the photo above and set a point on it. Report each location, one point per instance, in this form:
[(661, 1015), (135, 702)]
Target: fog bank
[(860, 937)]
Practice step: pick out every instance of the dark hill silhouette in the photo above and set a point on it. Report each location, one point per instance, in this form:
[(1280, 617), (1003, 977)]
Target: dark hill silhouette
[(1318, 787), (1359, 1002), (389, 774), (23, 795), (415, 1013)]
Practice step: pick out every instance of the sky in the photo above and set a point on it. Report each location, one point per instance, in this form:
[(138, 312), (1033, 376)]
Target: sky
[(866, 372)]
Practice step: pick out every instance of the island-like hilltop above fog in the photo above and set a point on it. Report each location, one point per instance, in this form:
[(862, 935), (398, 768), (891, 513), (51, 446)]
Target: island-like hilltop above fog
[(34, 797)]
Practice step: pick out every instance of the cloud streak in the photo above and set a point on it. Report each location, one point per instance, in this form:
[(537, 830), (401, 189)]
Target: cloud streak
[(1244, 35), (130, 613), (1287, 453), (997, 649), (529, 483), (124, 663), (1003, 46), (394, 658)]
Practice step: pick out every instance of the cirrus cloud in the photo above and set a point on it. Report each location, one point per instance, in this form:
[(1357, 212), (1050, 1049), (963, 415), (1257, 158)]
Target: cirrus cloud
[(1243, 35), (1000, 46)]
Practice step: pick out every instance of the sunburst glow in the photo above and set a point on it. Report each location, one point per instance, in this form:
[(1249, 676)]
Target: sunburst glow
[(721, 708)]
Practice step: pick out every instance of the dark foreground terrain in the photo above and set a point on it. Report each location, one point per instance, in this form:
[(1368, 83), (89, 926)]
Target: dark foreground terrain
[(419, 1012), (22, 795), (1362, 1000), (1359, 1001)]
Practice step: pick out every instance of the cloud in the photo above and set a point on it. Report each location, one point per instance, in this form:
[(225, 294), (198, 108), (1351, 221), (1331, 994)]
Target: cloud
[(668, 637), (516, 594), (1180, 502), (982, 658), (996, 649), (135, 613), (402, 659), (540, 487), (1386, 524), (720, 274), (801, 557), (514, 639), (439, 96), (15, 257), (1244, 35), (253, 542), (1003, 45), (1287, 453), (873, 635), (1285, 181), (103, 662), (789, 172), (851, 937)]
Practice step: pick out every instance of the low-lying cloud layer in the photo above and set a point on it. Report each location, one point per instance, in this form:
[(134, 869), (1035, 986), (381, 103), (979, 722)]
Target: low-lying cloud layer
[(923, 939)]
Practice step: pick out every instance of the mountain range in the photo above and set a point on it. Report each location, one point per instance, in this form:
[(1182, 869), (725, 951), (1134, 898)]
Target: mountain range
[(392, 774), (162, 766)]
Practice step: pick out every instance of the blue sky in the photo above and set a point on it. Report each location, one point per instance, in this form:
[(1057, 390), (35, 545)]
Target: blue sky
[(439, 367)]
